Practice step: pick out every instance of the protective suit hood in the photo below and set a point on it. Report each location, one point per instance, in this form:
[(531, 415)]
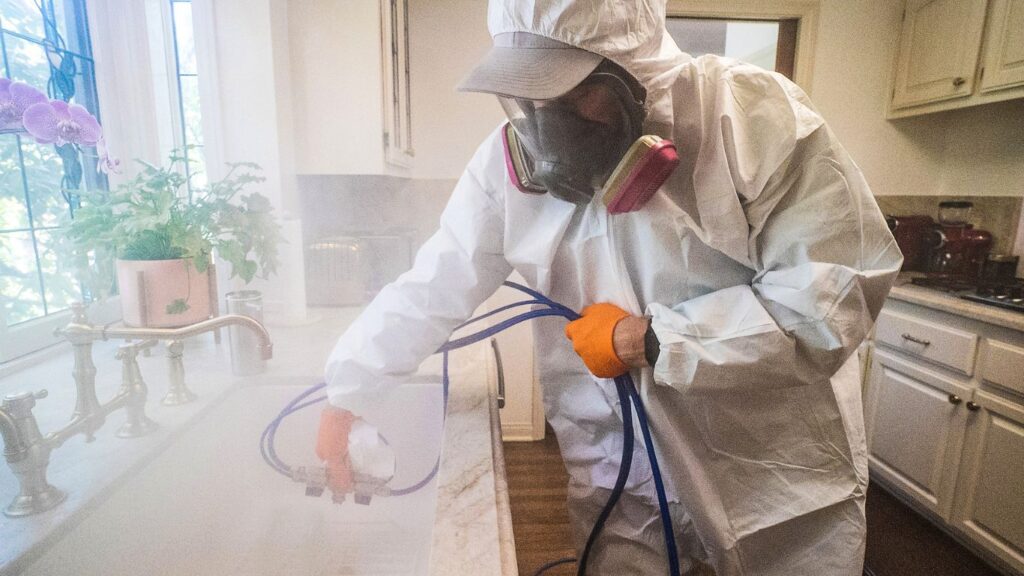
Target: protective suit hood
[(638, 41)]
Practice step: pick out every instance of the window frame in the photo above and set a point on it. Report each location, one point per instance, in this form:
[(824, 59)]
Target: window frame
[(24, 338), (805, 12)]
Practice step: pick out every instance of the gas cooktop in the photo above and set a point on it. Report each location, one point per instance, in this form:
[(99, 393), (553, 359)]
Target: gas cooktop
[(1010, 297), (1007, 293)]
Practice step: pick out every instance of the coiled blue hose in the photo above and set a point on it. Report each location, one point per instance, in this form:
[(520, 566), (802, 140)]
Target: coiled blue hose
[(628, 398)]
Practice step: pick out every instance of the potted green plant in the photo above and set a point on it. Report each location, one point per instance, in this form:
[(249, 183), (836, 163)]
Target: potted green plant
[(156, 233)]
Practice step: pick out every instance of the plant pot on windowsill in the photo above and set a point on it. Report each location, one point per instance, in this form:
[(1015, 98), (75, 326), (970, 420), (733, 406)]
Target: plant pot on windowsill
[(163, 293), (163, 231)]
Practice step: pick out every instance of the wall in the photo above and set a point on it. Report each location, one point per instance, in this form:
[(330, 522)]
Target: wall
[(336, 73), (254, 98), (974, 151), (446, 39)]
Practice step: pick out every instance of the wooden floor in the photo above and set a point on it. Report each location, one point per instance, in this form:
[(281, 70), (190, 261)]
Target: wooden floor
[(536, 484), (900, 543)]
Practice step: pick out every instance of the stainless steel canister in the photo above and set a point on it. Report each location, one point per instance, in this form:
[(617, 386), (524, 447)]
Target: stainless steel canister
[(245, 346)]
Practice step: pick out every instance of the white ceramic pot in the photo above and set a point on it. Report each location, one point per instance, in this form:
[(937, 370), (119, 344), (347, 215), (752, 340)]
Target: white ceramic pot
[(172, 293)]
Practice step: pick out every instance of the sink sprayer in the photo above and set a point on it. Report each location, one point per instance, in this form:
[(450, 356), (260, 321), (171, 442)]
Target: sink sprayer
[(367, 486)]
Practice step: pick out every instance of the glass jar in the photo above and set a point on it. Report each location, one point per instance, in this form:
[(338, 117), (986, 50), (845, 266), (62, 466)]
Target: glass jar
[(955, 212)]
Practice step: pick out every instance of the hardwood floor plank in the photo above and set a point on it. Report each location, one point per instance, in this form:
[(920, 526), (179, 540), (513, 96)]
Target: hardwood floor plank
[(900, 542)]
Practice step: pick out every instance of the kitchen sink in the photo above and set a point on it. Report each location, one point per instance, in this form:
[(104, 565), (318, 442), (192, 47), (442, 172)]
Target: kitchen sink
[(209, 506)]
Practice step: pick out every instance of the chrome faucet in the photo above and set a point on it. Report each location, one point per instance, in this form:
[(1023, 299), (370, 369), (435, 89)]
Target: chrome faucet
[(27, 451), (28, 455)]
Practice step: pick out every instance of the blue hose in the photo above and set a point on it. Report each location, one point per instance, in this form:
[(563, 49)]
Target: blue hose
[(624, 386)]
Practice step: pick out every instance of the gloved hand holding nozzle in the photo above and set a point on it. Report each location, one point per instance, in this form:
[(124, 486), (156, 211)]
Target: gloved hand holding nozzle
[(610, 340), (332, 448), (356, 458)]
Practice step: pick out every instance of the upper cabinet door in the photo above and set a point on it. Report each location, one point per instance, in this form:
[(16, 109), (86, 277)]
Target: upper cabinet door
[(938, 53), (1004, 49)]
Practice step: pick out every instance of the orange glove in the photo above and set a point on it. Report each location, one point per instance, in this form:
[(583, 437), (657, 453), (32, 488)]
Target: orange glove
[(332, 448), (592, 338)]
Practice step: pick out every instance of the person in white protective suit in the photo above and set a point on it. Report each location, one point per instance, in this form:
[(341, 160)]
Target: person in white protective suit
[(752, 275)]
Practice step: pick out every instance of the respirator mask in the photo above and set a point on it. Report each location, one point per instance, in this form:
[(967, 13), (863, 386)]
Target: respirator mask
[(586, 140)]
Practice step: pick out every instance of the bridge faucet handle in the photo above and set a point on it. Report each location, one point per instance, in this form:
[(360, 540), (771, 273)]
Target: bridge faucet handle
[(21, 404)]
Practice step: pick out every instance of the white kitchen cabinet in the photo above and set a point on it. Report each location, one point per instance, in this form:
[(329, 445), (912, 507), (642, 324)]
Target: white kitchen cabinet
[(931, 341), (990, 502), (938, 50), (921, 417), (957, 53), (1003, 61), (350, 86), (944, 411)]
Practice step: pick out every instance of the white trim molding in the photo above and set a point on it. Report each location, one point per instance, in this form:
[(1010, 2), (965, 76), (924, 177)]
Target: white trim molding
[(806, 11)]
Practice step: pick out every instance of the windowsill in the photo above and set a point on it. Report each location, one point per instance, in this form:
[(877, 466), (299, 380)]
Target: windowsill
[(20, 344), (31, 359)]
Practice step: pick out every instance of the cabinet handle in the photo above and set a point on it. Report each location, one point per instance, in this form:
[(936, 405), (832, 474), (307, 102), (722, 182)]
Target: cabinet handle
[(959, 81), (501, 373), (973, 406), (916, 340), (955, 400)]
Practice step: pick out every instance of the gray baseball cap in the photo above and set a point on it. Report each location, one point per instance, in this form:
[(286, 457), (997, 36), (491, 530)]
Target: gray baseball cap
[(524, 65)]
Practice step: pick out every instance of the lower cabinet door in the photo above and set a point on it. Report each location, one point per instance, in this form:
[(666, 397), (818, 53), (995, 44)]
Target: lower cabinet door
[(990, 495), (915, 424)]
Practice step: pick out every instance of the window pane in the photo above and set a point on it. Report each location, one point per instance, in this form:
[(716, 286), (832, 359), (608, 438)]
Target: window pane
[(58, 278), (85, 85), (44, 171), (22, 16), (26, 61), (197, 169), (85, 95), (697, 36), (753, 42), (69, 13), (183, 36), (13, 213), (190, 106), (750, 41), (19, 281)]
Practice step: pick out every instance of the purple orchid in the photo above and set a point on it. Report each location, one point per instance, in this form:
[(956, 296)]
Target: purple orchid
[(106, 164), (15, 98), (60, 123)]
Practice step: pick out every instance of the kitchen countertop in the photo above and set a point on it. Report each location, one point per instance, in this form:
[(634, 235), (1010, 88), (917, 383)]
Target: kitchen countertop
[(472, 532), (473, 526), (946, 302)]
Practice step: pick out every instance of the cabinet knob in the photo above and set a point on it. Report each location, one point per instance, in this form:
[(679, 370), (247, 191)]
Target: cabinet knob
[(920, 341), (955, 400), (959, 81), (973, 406)]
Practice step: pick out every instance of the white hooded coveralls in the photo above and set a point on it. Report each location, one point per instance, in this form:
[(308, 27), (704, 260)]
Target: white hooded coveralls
[(763, 262)]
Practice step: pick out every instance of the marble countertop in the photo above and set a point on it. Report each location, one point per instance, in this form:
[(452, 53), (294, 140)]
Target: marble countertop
[(472, 532), (951, 303), (473, 524)]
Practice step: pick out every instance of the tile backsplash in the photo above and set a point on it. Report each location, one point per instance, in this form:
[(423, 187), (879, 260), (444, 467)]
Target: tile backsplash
[(354, 205), (338, 205), (361, 232), (1000, 215)]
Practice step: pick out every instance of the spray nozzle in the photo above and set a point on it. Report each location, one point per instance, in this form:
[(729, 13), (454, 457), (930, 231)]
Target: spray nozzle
[(314, 477)]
